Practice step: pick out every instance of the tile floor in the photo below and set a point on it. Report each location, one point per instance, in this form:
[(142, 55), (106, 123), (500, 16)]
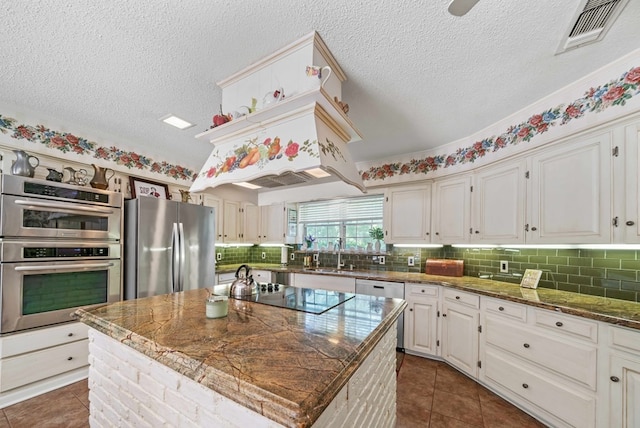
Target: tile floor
[(430, 394)]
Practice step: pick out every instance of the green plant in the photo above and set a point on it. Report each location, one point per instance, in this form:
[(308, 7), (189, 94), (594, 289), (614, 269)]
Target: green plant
[(376, 233)]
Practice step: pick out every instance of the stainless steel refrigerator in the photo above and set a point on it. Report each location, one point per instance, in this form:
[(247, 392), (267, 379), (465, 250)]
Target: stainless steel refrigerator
[(168, 247)]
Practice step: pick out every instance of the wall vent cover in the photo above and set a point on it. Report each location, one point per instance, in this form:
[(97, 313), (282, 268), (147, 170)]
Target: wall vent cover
[(591, 22)]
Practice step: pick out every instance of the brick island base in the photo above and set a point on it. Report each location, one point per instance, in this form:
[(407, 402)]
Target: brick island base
[(129, 389)]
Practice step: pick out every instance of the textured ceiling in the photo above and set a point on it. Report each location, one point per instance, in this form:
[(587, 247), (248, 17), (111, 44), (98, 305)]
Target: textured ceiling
[(417, 76)]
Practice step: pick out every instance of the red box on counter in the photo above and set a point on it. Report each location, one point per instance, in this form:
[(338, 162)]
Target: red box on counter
[(444, 267)]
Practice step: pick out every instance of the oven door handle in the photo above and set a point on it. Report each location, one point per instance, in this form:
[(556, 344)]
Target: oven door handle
[(61, 206), (62, 267)]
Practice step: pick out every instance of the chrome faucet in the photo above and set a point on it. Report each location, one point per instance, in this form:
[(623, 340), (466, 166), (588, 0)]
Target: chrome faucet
[(339, 245)]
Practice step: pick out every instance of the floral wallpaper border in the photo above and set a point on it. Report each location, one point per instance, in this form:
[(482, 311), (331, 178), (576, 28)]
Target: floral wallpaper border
[(67, 142), (614, 93)]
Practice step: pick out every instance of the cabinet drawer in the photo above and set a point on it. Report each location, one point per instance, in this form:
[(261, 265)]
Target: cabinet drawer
[(628, 340), (560, 356), (566, 324), (463, 298), (42, 338), (424, 290), (505, 309), (562, 401), (27, 368)]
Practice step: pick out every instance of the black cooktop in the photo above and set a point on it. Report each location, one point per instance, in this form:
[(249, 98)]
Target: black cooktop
[(299, 299)]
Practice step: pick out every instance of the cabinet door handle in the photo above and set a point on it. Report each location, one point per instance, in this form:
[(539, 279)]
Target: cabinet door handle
[(411, 310), (422, 290), (477, 231), (457, 297), (614, 379), (526, 345), (630, 223), (533, 228), (559, 324), (501, 308), (70, 334), (69, 358), (437, 233), (427, 233), (525, 386), (444, 315)]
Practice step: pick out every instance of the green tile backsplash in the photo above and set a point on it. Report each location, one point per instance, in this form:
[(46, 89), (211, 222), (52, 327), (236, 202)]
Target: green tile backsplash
[(609, 273)]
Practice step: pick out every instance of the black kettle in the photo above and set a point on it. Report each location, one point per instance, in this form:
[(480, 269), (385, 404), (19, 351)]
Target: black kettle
[(243, 285)]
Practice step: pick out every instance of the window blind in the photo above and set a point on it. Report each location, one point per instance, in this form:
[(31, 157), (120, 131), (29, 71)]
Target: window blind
[(360, 208)]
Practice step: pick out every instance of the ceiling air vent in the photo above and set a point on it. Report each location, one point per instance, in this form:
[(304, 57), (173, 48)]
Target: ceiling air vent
[(591, 22), (286, 179)]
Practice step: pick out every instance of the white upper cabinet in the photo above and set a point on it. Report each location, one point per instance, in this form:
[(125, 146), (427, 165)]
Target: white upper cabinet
[(627, 191), (570, 193), (452, 210), (250, 223), (278, 224), (232, 222), (498, 204), (212, 201), (407, 215)]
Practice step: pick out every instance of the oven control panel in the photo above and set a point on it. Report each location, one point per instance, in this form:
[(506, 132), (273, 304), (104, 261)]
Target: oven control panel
[(64, 252)]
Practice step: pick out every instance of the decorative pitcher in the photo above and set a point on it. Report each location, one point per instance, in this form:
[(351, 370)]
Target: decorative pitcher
[(76, 176), (317, 76), (22, 165), (185, 195), (100, 179), (54, 175)]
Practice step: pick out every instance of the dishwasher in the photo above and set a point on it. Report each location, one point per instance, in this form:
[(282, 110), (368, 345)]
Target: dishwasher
[(384, 289)]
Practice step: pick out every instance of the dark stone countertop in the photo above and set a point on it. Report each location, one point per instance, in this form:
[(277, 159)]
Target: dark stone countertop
[(284, 364), (615, 311)]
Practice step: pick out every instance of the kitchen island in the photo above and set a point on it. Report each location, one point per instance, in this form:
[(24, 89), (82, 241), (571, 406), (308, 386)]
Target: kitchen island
[(159, 360)]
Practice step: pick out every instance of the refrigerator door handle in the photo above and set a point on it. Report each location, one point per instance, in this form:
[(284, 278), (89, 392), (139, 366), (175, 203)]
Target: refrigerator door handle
[(183, 257), (175, 258)]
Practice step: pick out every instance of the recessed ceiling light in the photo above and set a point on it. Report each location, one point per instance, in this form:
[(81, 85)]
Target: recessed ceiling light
[(177, 122), (248, 185)]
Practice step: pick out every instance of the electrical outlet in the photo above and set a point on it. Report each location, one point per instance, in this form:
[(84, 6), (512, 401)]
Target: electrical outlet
[(264, 255), (504, 266), (381, 260), (218, 256), (292, 256), (410, 261), (315, 257)]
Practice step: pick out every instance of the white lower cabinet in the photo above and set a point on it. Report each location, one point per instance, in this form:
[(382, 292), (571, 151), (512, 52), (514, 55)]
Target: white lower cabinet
[(325, 282), (37, 361), (421, 319), (624, 378), (543, 361), (460, 326), (558, 403)]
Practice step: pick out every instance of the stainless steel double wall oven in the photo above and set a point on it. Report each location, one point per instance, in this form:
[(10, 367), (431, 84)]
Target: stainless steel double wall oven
[(60, 249)]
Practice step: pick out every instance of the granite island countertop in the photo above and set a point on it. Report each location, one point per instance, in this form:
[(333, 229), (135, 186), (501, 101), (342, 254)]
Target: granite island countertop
[(615, 311), (284, 364)]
